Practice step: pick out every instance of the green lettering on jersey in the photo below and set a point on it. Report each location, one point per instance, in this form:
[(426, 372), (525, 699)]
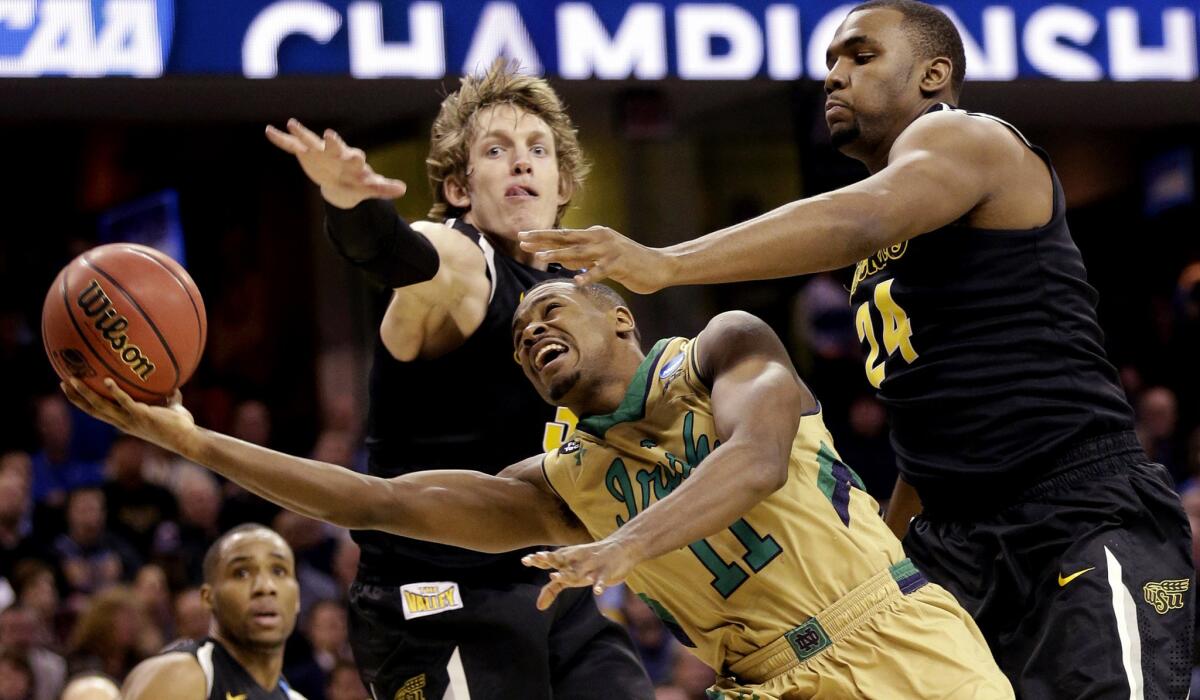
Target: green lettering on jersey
[(617, 480)]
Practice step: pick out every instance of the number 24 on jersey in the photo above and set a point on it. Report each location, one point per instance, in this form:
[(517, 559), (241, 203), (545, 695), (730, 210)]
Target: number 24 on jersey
[(897, 332)]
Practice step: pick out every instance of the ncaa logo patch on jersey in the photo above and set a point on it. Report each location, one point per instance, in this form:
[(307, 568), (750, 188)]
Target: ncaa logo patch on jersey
[(671, 369), (569, 448), (425, 599)]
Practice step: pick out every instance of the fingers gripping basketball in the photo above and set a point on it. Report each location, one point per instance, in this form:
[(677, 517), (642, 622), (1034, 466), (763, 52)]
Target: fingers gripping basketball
[(128, 312)]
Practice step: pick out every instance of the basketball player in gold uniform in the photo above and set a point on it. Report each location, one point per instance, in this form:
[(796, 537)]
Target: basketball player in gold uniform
[(702, 473)]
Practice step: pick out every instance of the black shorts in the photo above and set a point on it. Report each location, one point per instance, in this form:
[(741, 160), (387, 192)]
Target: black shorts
[(1084, 588), (497, 646)]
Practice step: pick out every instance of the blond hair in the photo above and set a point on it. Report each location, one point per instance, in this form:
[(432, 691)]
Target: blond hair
[(454, 129)]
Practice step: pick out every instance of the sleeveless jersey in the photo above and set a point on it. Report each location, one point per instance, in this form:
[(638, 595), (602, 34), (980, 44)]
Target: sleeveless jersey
[(471, 408), (788, 558), (985, 348), (225, 678)]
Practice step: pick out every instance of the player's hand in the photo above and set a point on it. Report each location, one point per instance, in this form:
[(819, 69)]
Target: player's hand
[(601, 253), (597, 564), (170, 427), (341, 172)]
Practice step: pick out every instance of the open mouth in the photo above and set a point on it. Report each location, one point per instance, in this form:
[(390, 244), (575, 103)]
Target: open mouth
[(266, 617), (547, 353)]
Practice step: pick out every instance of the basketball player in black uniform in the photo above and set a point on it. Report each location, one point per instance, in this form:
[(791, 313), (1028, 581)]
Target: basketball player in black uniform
[(445, 393), (1041, 513), (250, 586)]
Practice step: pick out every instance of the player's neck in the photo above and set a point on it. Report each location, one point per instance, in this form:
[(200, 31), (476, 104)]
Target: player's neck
[(265, 666), (509, 247), (606, 396), (877, 159)]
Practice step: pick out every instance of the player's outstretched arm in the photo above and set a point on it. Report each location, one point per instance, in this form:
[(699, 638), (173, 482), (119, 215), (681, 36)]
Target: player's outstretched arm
[(460, 508), (757, 401), (175, 675), (941, 167)]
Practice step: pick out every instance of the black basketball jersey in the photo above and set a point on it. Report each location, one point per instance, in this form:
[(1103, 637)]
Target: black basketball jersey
[(471, 408), (985, 348), (225, 677)]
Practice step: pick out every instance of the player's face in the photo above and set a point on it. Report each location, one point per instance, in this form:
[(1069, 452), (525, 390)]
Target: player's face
[(560, 339), (872, 80), (512, 174), (255, 597)]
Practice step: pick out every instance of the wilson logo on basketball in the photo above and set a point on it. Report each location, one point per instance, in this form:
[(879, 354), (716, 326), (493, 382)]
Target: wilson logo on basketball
[(96, 305)]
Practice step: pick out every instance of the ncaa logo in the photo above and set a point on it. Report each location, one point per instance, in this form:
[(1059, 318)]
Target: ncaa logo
[(85, 38)]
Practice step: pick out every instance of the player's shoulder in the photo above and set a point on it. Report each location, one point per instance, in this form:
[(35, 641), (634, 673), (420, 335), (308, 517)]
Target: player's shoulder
[(959, 132), (727, 334), (175, 674)]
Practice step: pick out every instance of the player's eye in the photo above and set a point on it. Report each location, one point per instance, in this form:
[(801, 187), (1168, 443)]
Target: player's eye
[(280, 571), (495, 151), (551, 307), (241, 573), (539, 150), (862, 58)]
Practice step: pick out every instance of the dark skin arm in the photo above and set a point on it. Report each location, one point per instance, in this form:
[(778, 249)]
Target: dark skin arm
[(462, 508), (945, 167), (904, 505), (757, 402)]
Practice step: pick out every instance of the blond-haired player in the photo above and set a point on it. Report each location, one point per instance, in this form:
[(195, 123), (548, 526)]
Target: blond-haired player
[(503, 156)]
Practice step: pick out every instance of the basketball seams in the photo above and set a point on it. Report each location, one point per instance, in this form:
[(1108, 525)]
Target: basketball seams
[(83, 336), (149, 321), (201, 326)]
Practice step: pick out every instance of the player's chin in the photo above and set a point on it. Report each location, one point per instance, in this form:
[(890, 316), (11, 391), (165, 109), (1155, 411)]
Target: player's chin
[(843, 133), (560, 386)]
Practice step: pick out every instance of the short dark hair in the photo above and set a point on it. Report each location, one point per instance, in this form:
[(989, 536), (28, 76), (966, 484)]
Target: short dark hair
[(601, 295), (931, 32), (211, 557)]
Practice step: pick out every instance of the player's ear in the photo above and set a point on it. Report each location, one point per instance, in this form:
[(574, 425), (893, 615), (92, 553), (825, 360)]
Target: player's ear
[(625, 323), (206, 592), (456, 192), (937, 76)]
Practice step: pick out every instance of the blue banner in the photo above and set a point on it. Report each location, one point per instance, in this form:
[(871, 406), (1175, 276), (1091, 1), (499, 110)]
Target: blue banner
[(1149, 40)]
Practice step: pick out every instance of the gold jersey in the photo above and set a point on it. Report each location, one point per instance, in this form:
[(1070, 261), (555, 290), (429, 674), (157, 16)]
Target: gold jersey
[(789, 557)]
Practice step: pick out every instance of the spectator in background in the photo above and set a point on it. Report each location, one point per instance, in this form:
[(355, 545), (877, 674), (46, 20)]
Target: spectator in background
[(192, 616), (868, 450), (154, 596), (56, 469), (19, 638), (345, 563), (252, 423), (344, 683), (653, 643), (90, 557), (37, 592), (1157, 417), (181, 546), (313, 548), (18, 348), (327, 632), (16, 521), (135, 508), (16, 678), (112, 635)]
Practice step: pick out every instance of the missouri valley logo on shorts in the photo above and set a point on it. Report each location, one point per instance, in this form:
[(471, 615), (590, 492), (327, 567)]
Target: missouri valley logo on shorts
[(425, 599), (1166, 595)]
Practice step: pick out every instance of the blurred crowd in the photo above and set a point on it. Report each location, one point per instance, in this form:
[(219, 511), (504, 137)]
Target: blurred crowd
[(102, 536)]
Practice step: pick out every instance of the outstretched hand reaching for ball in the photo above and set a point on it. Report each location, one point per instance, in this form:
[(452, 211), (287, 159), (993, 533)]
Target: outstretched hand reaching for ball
[(340, 171), (170, 427)]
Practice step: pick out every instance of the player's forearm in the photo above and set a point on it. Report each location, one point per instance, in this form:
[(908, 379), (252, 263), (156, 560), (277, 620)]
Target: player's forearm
[(314, 489), (731, 481), (821, 233)]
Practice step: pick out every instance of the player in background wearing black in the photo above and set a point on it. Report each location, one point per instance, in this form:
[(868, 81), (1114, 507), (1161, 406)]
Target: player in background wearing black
[(1041, 512), (250, 586), (446, 394)]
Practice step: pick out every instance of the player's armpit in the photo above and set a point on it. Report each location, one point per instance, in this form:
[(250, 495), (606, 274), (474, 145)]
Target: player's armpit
[(469, 509), (434, 317), (175, 675)]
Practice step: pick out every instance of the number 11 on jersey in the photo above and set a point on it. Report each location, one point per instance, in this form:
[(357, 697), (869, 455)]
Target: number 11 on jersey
[(897, 332)]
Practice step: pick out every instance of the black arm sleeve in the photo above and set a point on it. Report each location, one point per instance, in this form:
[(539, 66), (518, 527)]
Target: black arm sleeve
[(374, 238)]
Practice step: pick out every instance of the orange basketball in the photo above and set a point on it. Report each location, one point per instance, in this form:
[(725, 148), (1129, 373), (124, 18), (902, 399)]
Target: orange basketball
[(128, 312)]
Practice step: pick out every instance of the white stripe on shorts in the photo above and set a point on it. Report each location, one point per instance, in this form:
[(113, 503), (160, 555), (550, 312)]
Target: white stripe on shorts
[(1127, 627), (457, 690)]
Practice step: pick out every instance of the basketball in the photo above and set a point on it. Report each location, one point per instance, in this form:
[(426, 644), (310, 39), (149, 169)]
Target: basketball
[(128, 312)]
